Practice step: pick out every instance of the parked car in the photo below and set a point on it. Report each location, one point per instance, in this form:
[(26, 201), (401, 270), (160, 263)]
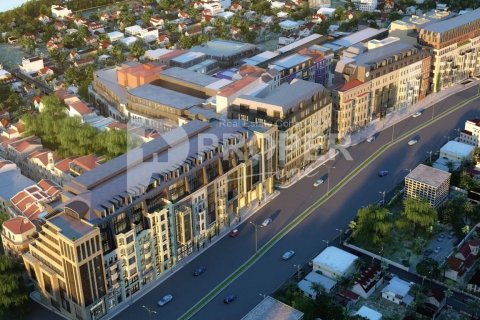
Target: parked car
[(417, 114), (266, 222), (439, 239), (199, 271), (230, 298), (427, 252), (370, 139), (437, 249), (166, 299), (287, 255), (412, 142), (318, 182), (382, 173), (234, 233)]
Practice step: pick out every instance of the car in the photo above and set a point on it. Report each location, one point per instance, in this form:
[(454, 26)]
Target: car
[(382, 173), (450, 235), (441, 236), (234, 233), (427, 252), (199, 271), (412, 142), (370, 139), (166, 299), (439, 239), (318, 182), (417, 114), (229, 299), (437, 249), (287, 255), (266, 222)]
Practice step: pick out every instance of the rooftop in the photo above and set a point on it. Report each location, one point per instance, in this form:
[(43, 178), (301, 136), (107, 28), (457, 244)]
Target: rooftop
[(271, 308), (368, 313), (428, 175), (223, 48), (188, 56), (294, 45), (458, 148), (12, 182), (381, 53), (189, 76), (398, 287), (449, 24), (70, 227), (335, 259), (166, 97), (18, 225), (360, 36), (291, 61)]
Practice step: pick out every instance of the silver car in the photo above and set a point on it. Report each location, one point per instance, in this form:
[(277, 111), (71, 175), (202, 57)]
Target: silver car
[(166, 299), (287, 255)]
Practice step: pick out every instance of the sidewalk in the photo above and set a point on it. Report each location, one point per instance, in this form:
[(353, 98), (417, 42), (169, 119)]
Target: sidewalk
[(311, 167), (395, 117), (184, 262)]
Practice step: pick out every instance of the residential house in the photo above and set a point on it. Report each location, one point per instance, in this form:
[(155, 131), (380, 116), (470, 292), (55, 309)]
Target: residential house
[(334, 263), (432, 306), (84, 62), (133, 30), (312, 279), (60, 12), (368, 281), (59, 26), (397, 291), (16, 235), (45, 72), (31, 65), (368, 313), (471, 133), (44, 18), (156, 21), (11, 182), (453, 154), (96, 28), (149, 34), (83, 164), (115, 36), (462, 261)]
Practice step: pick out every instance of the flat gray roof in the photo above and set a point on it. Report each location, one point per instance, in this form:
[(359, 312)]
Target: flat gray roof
[(428, 175), (12, 182), (189, 76), (453, 23), (166, 97), (381, 53), (288, 95), (71, 227), (188, 56), (357, 37), (271, 308), (108, 77), (223, 48), (291, 60)]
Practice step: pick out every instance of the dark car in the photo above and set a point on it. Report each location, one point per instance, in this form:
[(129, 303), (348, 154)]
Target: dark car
[(234, 233), (427, 252), (199, 271), (382, 173), (230, 299)]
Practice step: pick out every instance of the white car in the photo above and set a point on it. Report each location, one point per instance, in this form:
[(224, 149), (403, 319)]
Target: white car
[(166, 299), (370, 139), (417, 114), (266, 222), (287, 255), (318, 182), (412, 142)]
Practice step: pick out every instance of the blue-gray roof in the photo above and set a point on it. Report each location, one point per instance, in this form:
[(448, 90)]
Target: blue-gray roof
[(70, 227), (381, 53), (189, 76), (12, 182), (453, 23), (166, 97)]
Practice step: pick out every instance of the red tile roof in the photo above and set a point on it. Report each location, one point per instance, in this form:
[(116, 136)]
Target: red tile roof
[(236, 85), (455, 263), (87, 162), (49, 187), (80, 107), (18, 225), (350, 85), (64, 165)]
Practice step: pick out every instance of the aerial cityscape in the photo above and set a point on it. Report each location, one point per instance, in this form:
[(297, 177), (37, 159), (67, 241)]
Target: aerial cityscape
[(240, 159)]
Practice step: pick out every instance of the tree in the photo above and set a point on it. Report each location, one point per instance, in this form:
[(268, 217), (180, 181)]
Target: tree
[(417, 216), (373, 226), (13, 292), (185, 42), (138, 49), (117, 53), (428, 268)]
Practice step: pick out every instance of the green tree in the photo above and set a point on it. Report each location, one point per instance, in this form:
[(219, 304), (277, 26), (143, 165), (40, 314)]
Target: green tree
[(117, 53), (138, 49), (417, 216), (185, 42), (428, 268), (13, 292), (373, 226)]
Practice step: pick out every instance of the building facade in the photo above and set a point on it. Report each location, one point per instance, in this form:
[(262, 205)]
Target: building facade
[(302, 111), (131, 226), (471, 133), (16, 235), (456, 44), (428, 184)]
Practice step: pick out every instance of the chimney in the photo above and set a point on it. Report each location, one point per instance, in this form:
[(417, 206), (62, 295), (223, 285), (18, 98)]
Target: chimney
[(51, 163)]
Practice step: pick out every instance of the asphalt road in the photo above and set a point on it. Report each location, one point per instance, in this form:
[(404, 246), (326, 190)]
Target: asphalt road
[(270, 271)]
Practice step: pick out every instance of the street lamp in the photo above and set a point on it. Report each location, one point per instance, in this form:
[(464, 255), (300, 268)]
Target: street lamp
[(150, 312), (430, 155), (326, 241), (328, 177), (256, 236), (298, 271), (393, 131), (448, 138), (341, 233), (408, 169), (383, 196), (263, 295)]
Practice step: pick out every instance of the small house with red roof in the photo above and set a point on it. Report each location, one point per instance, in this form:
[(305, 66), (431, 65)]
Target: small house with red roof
[(368, 281), (16, 235), (463, 260), (432, 306), (84, 164)]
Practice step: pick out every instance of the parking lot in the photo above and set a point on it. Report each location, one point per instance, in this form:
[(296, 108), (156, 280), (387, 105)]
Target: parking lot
[(440, 247)]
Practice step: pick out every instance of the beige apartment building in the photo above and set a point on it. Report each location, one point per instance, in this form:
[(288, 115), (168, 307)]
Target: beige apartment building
[(121, 226), (302, 110), (456, 44), (429, 184), (392, 75)]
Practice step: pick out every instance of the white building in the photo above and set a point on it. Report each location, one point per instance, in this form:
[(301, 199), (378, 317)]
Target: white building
[(133, 30), (397, 291), (306, 285), (366, 5), (129, 41), (453, 152), (315, 4), (289, 25), (334, 263), (214, 7), (471, 134), (368, 313), (31, 65), (59, 12), (149, 34), (115, 36)]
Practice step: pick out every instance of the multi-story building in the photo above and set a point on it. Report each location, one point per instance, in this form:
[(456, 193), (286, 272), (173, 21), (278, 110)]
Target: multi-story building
[(429, 184), (388, 77), (471, 133), (143, 212), (366, 5), (456, 45), (302, 111), (16, 235), (60, 12), (11, 182), (227, 53), (31, 65), (315, 4)]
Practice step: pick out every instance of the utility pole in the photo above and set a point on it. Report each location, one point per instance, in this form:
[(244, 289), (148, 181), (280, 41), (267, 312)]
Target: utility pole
[(383, 196), (256, 236), (328, 178), (341, 234), (430, 155), (326, 241), (298, 271), (150, 312)]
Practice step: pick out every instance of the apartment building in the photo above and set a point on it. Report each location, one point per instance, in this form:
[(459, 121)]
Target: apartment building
[(16, 235), (429, 184), (391, 76), (366, 5), (145, 211), (31, 65), (471, 133), (456, 44), (302, 111)]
